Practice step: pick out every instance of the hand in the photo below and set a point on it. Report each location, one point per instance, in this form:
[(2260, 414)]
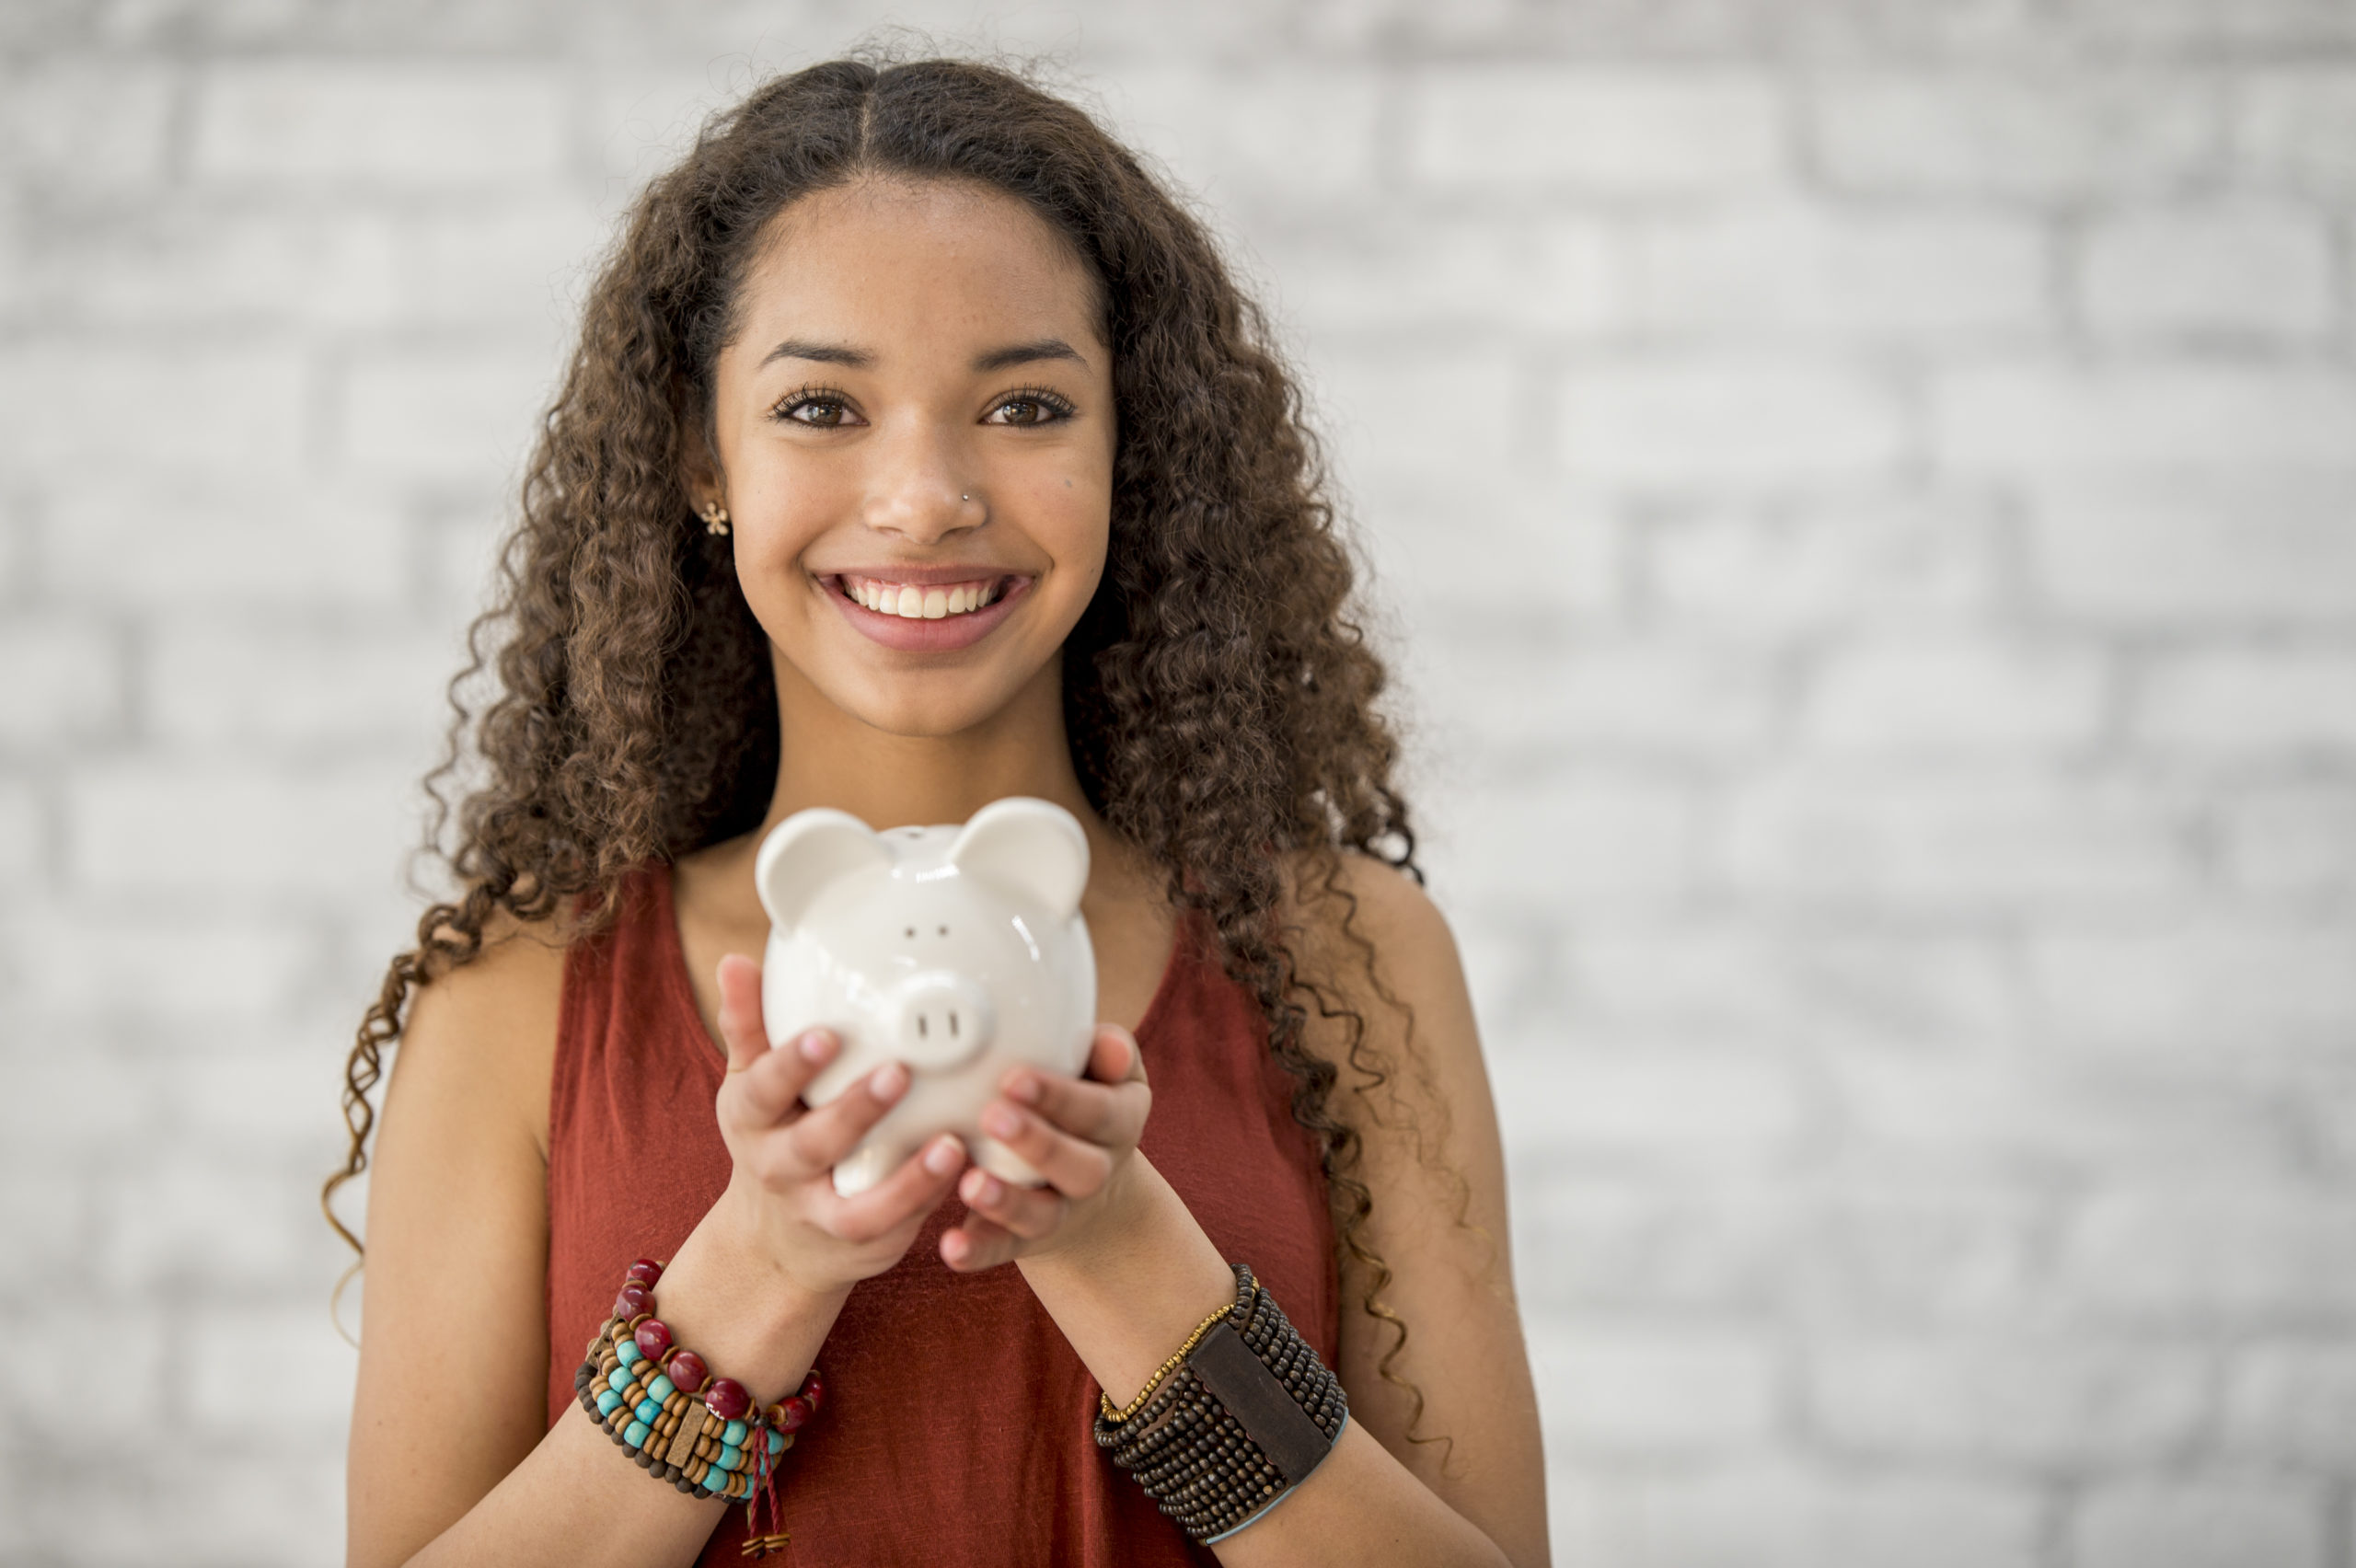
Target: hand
[(1077, 1133), (782, 1191)]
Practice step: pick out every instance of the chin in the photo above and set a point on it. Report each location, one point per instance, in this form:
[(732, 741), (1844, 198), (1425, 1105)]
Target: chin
[(917, 698), (916, 708)]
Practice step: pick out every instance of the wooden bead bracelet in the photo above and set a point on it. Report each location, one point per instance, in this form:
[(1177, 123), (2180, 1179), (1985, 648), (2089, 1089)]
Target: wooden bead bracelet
[(1104, 1400), (1232, 1422), (704, 1435)]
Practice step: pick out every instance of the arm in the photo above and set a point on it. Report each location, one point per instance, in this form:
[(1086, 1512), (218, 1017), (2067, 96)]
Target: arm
[(449, 1462), (1127, 1272)]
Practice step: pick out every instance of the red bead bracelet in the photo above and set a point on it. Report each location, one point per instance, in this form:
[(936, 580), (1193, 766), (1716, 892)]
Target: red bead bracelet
[(725, 1397), (640, 1385)]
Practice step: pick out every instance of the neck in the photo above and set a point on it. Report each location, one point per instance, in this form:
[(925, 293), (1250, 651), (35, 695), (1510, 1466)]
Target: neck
[(830, 759)]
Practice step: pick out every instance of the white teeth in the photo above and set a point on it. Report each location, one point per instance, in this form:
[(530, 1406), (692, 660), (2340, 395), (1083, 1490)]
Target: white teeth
[(921, 604)]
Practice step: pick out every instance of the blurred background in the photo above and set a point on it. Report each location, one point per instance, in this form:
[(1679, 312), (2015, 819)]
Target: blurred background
[(1862, 497)]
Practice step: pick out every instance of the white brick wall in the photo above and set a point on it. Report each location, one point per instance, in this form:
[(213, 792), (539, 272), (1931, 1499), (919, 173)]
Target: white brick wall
[(1903, 837)]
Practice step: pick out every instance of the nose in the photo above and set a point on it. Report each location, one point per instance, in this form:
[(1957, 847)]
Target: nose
[(915, 491), (940, 1021)]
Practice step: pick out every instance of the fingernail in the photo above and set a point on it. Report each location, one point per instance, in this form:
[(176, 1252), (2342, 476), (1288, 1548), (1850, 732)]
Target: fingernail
[(1024, 1089), (989, 1190), (999, 1121), (888, 1080), (941, 1157), (814, 1045)]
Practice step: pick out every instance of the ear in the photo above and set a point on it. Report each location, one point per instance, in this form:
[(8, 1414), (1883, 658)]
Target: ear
[(1033, 846), (807, 852)]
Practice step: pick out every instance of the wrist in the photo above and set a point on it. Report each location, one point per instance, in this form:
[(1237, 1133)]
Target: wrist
[(1131, 1203), (749, 1316), (1127, 1295)]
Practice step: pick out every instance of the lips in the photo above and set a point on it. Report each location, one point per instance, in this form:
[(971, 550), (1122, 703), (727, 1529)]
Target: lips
[(917, 601), (925, 609)]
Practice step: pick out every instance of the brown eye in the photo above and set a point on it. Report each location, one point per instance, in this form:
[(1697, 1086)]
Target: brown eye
[(819, 408), (819, 411), (1031, 409)]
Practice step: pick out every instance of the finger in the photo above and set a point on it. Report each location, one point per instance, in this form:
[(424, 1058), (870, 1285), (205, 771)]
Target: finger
[(763, 1093), (823, 1139), (1113, 1055), (1109, 1113), (976, 1245), (1028, 1212), (1072, 1166), (740, 1011), (909, 1194)]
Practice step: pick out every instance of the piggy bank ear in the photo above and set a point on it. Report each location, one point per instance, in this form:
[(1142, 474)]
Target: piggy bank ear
[(1032, 845), (805, 853)]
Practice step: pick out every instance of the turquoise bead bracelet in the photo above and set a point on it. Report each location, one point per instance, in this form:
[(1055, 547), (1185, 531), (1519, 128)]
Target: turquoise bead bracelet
[(630, 1399), (706, 1435)]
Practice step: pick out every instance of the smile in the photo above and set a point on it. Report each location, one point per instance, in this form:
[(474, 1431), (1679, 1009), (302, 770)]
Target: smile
[(926, 601), (921, 609)]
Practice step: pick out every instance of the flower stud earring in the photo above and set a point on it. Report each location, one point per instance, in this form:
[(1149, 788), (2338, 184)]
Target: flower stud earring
[(715, 517)]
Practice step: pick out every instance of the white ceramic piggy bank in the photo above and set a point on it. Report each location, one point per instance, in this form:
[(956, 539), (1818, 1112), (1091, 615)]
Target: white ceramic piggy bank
[(959, 951)]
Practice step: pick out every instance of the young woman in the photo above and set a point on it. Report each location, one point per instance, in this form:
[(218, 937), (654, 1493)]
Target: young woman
[(919, 452)]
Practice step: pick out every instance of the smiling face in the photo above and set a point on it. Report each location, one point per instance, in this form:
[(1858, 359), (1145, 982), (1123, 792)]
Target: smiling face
[(915, 435)]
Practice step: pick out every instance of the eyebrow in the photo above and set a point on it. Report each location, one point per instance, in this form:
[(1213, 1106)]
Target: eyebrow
[(1027, 354), (860, 359), (822, 353)]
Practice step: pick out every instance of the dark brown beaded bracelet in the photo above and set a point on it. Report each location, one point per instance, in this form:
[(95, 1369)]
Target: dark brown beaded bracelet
[(1214, 1469), (705, 1436)]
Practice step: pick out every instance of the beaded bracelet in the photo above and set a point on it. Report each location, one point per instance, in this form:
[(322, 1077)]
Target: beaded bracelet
[(1245, 1417), (643, 1390), (1104, 1400)]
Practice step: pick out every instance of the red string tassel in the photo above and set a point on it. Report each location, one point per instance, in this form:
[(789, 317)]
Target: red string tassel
[(764, 1490)]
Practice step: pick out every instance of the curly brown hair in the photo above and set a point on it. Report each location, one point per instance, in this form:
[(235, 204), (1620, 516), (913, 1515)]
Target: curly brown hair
[(1219, 699)]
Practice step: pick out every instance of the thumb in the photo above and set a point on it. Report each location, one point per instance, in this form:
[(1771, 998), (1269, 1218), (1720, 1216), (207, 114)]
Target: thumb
[(1113, 1056), (741, 1029)]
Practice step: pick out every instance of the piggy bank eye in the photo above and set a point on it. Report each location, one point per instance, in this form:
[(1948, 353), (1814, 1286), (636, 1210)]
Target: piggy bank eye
[(944, 930), (910, 933)]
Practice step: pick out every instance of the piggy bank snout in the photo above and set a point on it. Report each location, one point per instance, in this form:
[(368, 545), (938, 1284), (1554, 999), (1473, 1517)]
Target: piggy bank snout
[(939, 1019)]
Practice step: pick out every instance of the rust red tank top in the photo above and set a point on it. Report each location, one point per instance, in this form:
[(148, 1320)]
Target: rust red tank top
[(957, 1420)]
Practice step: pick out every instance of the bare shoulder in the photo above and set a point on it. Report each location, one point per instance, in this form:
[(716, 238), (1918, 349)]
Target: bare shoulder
[(519, 964), (483, 1032), (1389, 1007), (1385, 900), (1371, 936)]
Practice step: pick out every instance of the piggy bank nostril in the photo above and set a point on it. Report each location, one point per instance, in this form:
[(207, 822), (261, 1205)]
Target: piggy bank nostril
[(939, 1020)]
